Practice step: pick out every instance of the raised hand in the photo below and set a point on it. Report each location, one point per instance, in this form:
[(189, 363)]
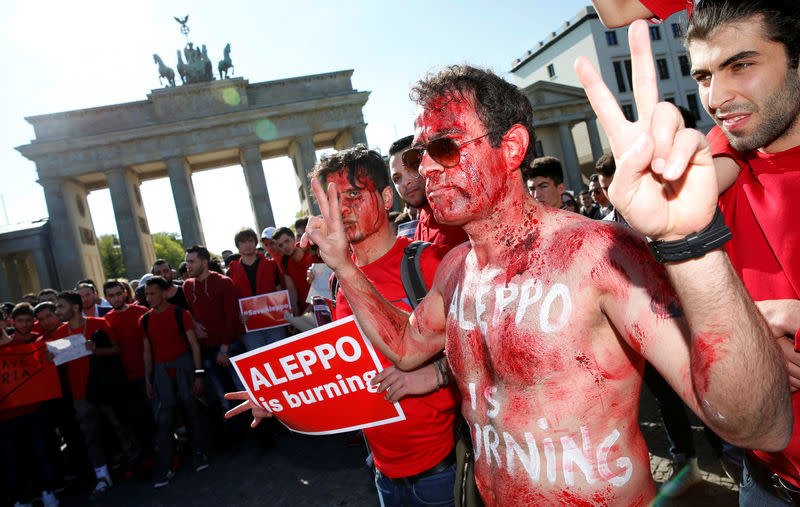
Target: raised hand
[(258, 412), (665, 185), (327, 232)]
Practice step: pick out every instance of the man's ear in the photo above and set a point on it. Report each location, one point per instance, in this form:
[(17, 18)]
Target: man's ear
[(388, 197), (561, 188), (515, 146)]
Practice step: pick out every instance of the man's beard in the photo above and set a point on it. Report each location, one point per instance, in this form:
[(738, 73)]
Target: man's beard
[(780, 112)]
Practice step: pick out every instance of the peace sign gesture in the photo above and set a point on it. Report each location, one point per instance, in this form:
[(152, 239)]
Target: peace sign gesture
[(665, 185), (327, 231)]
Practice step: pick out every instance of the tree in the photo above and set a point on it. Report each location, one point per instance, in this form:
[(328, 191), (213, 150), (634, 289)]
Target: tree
[(168, 246), (111, 256)]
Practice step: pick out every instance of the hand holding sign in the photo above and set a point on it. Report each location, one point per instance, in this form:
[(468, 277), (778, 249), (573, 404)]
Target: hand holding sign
[(665, 185), (317, 382)]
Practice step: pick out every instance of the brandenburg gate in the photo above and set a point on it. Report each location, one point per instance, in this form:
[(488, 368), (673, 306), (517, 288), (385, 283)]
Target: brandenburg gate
[(179, 130)]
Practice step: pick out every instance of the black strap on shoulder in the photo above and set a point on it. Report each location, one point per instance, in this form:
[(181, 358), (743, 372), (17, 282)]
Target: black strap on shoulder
[(179, 319), (145, 321), (411, 273), (334, 285)]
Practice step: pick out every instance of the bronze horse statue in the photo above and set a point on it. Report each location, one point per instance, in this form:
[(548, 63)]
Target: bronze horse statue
[(164, 72), (225, 63)]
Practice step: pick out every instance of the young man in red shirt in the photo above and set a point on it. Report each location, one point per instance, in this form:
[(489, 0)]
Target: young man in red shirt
[(123, 320), (414, 459), (213, 304), (295, 262), (46, 320), (173, 369), (23, 429), (88, 412), (253, 274)]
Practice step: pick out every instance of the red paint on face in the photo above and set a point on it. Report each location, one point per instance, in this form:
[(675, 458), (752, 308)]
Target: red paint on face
[(707, 349), (474, 186), (361, 205)]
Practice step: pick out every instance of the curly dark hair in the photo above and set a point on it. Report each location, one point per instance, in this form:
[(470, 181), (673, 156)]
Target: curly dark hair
[(781, 19), (360, 162), (498, 103)]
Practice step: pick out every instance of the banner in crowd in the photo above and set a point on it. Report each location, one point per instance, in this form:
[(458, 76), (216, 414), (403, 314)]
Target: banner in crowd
[(26, 376), (265, 310), (317, 382)]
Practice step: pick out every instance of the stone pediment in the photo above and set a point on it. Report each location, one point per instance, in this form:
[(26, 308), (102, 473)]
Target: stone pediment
[(543, 94)]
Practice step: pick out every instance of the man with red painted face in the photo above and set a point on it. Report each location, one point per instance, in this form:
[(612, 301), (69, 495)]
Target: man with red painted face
[(411, 187), (414, 459), (547, 316)]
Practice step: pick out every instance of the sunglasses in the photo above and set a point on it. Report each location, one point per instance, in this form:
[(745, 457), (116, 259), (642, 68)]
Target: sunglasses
[(444, 151)]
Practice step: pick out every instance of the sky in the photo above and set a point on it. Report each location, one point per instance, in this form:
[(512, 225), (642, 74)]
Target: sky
[(61, 56)]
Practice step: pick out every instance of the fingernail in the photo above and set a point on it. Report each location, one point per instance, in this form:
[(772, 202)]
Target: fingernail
[(658, 165), (672, 172)]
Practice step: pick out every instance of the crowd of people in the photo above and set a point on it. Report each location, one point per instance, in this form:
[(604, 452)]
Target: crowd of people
[(519, 372)]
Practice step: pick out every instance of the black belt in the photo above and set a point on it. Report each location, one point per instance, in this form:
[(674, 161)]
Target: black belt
[(772, 482), (438, 468)]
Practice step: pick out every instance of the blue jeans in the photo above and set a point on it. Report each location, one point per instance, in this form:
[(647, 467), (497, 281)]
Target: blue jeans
[(217, 378), (432, 490), (256, 339), (751, 494)]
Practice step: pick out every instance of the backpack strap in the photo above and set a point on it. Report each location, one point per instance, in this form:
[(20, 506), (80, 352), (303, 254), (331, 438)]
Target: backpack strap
[(179, 319), (145, 322), (411, 273)]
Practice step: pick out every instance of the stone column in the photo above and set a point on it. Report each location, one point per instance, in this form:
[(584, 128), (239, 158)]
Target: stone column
[(250, 157), (594, 138), (134, 233), (14, 284), (303, 155), (71, 232), (344, 139), (359, 135), (42, 269), (180, 179), (572, 174), (5, 292)]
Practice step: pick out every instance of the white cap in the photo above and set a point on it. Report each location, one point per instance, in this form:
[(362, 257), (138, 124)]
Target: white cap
[(268, 232)]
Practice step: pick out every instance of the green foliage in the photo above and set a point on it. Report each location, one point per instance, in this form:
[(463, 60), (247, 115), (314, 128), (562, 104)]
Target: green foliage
[(168, 246), (111, 256)]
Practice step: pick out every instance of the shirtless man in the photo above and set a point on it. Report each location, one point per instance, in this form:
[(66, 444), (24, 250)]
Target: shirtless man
[(547, 317)]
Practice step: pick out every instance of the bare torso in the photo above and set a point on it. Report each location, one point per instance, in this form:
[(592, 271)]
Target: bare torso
[(551, 392)]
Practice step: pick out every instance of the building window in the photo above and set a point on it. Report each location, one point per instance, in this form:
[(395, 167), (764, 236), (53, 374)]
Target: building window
[(663, 70), (629, 72), (551, 71), (686, 68), (671, 100), (611, 38), (655, 33), (694, 107), (677, 31), (627, 110), (620, 77)]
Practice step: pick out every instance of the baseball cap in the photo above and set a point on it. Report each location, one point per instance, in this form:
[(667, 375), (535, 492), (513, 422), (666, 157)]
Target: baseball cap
[(268, 232)]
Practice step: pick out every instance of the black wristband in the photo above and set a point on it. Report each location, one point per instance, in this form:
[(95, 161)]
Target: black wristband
[(694, 245), (199, 373)]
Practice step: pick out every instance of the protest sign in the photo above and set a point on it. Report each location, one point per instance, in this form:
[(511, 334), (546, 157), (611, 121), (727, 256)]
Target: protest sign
[(317, 382), (26, 376), (67, 349), (265, 310)]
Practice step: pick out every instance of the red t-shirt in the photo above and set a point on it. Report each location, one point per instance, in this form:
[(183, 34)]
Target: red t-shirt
[(11, 413), (426, 436), (126, 328), (666, 8), (298, 272), (214, 304), (758, 208), (165, 336), (78, 369), (428, 229)]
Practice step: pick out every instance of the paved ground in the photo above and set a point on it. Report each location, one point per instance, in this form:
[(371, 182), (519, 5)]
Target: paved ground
[(325, 471)]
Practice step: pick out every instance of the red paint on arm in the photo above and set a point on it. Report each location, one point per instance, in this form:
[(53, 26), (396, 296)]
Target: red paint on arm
[(707, 349)]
